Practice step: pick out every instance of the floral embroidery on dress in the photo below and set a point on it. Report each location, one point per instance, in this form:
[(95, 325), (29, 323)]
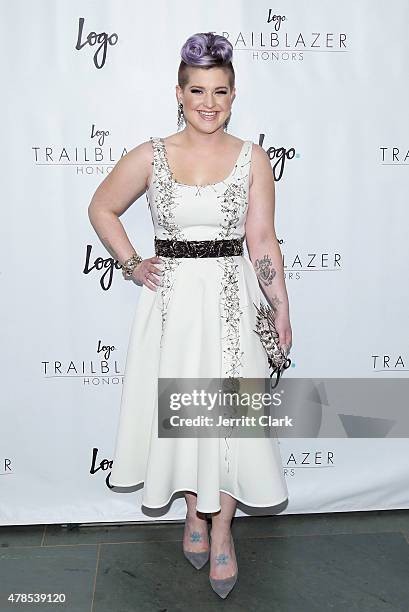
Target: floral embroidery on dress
[(168, 279), (231, 314), (165, 204), (233, 203), (231, 317)]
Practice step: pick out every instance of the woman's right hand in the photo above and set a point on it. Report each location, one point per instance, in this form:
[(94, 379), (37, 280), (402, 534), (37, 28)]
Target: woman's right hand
[(148, 274)]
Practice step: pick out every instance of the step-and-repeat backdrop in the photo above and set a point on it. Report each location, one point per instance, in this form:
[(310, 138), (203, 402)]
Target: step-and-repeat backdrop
[(322, 86)]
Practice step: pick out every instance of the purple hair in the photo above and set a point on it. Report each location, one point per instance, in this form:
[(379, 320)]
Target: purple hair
[(205, 50)]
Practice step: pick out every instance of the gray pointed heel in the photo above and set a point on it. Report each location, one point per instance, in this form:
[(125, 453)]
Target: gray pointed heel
[(223, 586), (197, 559)]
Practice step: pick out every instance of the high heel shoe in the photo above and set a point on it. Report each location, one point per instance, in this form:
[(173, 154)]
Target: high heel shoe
[(197, 559), (223, 586)]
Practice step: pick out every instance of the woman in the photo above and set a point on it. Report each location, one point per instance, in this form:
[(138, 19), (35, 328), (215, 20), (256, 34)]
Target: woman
[(206, 190)]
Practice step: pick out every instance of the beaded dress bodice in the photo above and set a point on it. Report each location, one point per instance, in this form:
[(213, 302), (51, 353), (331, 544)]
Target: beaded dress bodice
[(198, 212)]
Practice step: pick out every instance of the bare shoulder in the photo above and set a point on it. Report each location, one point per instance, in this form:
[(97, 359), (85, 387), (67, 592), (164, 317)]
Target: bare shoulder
[(259, 156), (136, 163), (260, 164), (140, 152), (127, 180)]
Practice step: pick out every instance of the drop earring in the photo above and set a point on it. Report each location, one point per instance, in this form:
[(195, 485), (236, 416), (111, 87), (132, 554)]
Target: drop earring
[(226, 123), (181, 116)]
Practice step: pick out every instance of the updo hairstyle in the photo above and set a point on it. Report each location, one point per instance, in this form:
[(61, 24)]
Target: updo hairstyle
[(206, 50)]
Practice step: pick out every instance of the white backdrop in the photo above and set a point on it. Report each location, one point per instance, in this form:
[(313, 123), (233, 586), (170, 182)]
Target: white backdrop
[(328, 85)]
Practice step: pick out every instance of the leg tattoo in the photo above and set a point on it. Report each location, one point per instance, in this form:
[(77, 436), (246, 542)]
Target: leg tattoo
[(221, 559), (195, 536)]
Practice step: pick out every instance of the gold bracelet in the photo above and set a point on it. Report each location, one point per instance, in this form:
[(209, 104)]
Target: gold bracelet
[(130, 264)]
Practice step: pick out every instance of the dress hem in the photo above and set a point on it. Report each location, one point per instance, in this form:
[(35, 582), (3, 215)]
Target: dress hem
[(275, 503)]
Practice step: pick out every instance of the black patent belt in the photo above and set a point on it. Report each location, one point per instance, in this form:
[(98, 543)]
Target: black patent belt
[(199, 248)]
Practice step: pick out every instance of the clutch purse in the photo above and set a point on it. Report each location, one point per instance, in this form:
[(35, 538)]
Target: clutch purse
[(266, 330)]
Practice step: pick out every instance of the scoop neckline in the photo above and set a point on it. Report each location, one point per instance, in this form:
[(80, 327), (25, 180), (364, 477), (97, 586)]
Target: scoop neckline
[(207, 184)]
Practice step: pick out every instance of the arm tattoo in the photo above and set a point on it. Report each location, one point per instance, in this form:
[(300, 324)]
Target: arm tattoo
[(275, 301), (265, 270)]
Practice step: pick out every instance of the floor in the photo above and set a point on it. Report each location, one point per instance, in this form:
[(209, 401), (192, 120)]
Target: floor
[(339, 562)]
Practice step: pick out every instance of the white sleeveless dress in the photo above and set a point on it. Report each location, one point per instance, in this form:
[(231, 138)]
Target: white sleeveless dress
[(198, 324)]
